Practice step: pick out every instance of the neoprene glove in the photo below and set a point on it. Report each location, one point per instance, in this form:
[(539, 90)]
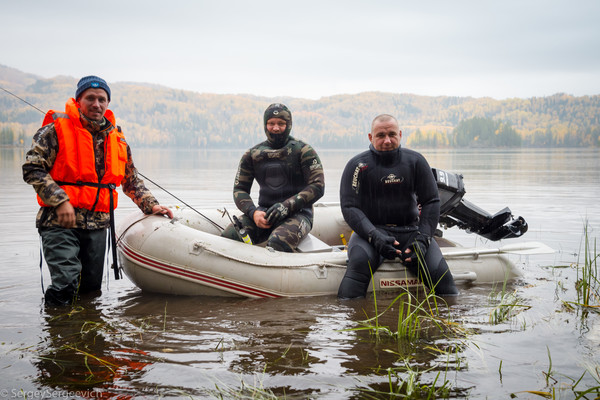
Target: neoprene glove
[(418, 249), (276, 213), (383, 243)]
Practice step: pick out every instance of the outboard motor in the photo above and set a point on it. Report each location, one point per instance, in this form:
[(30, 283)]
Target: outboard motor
[(456, 211)]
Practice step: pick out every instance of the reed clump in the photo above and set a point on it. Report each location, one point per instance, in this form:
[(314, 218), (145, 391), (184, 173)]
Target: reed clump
[(505, 305), (588, 278), (420, 317), (559, 386)]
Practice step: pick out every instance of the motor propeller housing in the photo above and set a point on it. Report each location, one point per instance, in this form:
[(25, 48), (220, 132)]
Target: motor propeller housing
[(456, 211)]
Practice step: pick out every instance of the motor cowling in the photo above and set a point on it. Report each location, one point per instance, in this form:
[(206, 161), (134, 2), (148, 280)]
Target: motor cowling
[(456, 211)]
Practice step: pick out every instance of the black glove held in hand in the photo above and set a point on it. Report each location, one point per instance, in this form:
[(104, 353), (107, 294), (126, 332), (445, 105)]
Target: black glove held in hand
[(276, 213), (384, 244), (418, 249)]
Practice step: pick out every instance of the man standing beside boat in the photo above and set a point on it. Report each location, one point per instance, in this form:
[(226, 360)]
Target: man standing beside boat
[(389, 197), (76, 161), (291, 179)]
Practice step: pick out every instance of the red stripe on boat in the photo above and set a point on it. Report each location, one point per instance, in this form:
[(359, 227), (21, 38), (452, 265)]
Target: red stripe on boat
[(213, 281)]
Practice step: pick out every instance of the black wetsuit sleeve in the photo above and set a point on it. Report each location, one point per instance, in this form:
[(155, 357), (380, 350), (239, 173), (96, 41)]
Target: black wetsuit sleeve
[(350, 201), (427, 197)]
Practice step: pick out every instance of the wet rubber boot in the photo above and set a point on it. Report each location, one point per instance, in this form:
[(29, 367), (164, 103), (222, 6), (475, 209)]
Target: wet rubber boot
[(231, 233), (56, 298)]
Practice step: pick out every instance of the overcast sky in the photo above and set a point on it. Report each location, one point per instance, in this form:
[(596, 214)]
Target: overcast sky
[(310, 49)]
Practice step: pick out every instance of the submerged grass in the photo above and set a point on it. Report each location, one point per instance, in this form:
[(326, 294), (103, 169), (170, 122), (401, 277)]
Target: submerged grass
[(404, 382), (559, 386), (416, 319), (419, 319), (245, 391), (587, 287), (505, 305), (415, 316)]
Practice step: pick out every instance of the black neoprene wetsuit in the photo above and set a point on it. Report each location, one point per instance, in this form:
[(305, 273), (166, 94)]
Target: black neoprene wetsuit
[(383, 190)]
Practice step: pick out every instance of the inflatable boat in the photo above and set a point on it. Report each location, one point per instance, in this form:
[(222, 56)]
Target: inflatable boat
[(187, 256)]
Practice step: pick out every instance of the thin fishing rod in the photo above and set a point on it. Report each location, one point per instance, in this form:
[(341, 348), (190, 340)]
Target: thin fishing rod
[(177, 198), (145, 177), (23, 100)]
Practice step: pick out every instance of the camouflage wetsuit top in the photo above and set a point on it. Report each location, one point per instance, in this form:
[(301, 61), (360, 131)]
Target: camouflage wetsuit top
[(291, 175), (40, 159)]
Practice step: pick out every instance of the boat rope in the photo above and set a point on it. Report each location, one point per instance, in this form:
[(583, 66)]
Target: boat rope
[(142, 175), (132, 224), (209, 249)]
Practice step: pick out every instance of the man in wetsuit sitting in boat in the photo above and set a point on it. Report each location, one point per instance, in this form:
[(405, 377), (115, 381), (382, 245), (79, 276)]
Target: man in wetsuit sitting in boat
[(380, 193), (291, 179)]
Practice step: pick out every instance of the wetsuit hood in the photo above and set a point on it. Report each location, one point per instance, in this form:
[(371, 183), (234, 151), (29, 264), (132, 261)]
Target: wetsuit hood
[(278, 110)]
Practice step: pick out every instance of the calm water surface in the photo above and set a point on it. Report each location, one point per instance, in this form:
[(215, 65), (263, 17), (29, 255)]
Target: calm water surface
[(128, 343)]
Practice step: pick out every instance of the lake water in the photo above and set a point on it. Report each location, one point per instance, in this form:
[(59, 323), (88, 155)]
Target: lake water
[(132, 344)]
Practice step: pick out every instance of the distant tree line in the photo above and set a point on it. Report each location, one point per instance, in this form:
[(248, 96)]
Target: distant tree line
[(155, 116), (473, 132), (13, 135), (486, 132)]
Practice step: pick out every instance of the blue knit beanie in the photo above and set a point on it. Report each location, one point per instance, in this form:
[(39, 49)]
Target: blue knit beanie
[(91, 81)]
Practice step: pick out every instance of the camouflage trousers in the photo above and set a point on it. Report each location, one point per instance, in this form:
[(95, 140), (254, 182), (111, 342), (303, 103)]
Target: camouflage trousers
[(283, 237)]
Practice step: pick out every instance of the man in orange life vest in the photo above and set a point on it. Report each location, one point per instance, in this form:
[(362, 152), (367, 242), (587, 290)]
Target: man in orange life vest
[(76, 161)]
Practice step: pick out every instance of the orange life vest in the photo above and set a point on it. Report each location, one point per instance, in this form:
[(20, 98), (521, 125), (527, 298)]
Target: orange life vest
[(74, 168)]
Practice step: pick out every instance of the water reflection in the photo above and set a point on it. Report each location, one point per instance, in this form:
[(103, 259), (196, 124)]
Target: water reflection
[(192, 345), (78, 353)]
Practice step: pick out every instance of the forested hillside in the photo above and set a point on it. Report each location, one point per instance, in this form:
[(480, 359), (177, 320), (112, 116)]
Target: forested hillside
[(154, 116)]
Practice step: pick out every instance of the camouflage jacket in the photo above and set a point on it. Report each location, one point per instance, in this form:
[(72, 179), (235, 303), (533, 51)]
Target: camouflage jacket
[(292, 175), (40, 159)]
